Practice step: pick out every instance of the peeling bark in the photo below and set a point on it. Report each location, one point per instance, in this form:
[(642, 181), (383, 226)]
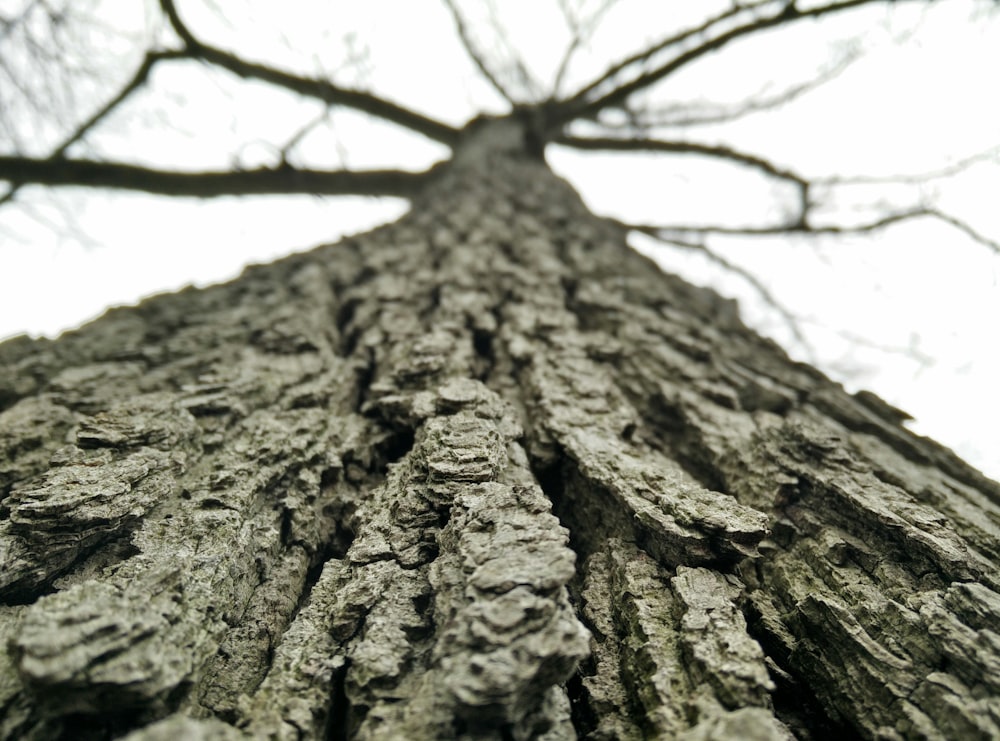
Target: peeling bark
[(482, 473)]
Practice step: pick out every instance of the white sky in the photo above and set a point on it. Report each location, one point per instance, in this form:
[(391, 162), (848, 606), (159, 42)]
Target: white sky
[(906, 107)]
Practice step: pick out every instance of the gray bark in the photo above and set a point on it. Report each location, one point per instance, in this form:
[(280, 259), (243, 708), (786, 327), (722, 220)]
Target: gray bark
[(482, 473)]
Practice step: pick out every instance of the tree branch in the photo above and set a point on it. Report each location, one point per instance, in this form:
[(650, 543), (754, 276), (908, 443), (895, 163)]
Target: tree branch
[(643, 56), (474, 54), (308, 86), (805, 187), (682, 231), (678, 116), (261, 181), (138, 80), (920, 177), (621, 144), (581, 105), (581, 31)]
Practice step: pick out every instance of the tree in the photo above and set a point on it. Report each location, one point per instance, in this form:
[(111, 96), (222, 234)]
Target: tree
[(484, 472)]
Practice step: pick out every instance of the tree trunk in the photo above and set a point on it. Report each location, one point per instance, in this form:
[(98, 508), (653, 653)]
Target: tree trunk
[(482, 473)]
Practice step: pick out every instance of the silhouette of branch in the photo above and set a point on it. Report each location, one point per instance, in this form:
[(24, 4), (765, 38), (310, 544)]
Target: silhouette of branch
[(800, 223), (646, 54), (138, 80), (717, 32), (914, 178), (475, 55), (580, 33), (309, 86), (633, 144), (261, 181), (681, 231), (683, 115)]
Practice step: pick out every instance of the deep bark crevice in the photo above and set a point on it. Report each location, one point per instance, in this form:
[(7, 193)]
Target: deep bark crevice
[(432, 304), (680, 441), (795, 704), (91, 728), (348, 334), (798, 708), (365, 370), (339, 721), (482, 344), (588, 533), (582, 514), (396, 446), (582, 714)]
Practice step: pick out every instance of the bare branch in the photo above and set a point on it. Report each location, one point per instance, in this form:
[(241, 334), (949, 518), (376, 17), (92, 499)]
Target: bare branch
[(262, 181), (310, 87), (681, 232), (303, 132), (531, 87), (621, 144), (638, 58), (800, 223), (678, 116), (582, 105), (580, 31), (913, 178), (961, 226), (138, 80), (576, 40), (475, 55)]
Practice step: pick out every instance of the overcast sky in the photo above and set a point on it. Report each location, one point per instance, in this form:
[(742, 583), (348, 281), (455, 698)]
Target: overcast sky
[(910, 315)]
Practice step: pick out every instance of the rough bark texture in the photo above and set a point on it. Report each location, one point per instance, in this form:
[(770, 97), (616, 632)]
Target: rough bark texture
[(482, 473)]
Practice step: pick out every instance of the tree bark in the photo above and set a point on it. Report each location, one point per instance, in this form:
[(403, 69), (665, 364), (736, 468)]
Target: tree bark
[(482, 473)]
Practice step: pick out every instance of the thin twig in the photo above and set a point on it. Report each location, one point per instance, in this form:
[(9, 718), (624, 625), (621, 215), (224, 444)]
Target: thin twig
[(943, 172), (682, 230), (685, 116), (583, 93), (581, 105), (581, 33)]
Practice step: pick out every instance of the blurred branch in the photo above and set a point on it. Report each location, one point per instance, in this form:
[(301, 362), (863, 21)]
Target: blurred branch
[(310, 87), (646, 54), (580, 33), (717, 32), (138, 80), (262, 181), (677, 116), (474, 53), (802, 227), (911, 351), (922, 177), (302, 133), (963, 227), (519, 71), (638, 144), (800, 223)]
